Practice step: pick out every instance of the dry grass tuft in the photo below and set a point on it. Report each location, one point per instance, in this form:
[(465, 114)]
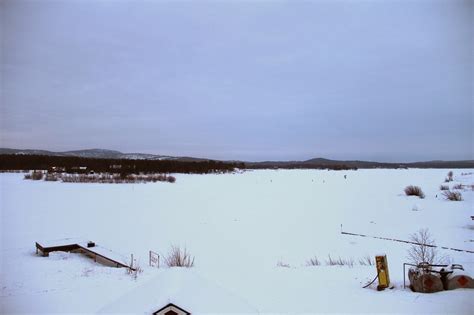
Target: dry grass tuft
[(135, 270), (339, 261), (178, 257), (443, 187), (313, 262), (282, 264), (453, 195), (366, 261), (414, 191)]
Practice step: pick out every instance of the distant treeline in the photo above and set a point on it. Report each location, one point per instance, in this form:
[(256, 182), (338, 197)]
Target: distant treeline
[(78, 165), (354, 165), (71, 164), (299, 165)]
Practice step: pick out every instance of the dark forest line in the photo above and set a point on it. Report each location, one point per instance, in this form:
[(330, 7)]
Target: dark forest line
[(74, 164)]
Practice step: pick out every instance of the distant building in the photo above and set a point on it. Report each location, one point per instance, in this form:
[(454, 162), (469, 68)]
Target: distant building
[(57, 169), (79, 168)]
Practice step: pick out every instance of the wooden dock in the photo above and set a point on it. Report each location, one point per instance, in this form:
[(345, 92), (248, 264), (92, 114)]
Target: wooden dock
[(90, 249)]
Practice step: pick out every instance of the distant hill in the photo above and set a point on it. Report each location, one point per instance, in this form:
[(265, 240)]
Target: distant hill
[(99, 154), (312, 163)]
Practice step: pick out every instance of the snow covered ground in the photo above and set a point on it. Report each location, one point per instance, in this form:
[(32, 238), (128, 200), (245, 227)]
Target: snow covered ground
[(238, 227)]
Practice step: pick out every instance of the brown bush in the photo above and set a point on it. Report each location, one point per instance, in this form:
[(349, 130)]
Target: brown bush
[(35, 175), (452, 195), (443, 187), (51, 177), (414, 191)]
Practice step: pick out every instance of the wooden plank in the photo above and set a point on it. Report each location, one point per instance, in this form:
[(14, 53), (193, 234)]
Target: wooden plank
[(104, 257)]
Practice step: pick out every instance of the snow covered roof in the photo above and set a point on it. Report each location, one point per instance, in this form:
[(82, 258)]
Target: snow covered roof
[(184, 288), (171, 309)]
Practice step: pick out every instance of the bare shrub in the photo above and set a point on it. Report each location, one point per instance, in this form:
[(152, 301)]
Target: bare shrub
[(339, 261), (282, 264), (178, 257), (453, 195), (366, 261), (458, 186), (450, 176), (27, 176), (37, 175), (107, 178), (414, 191), (424, 251), (443, 187), (134, 270), (313, 262), (51, 177)]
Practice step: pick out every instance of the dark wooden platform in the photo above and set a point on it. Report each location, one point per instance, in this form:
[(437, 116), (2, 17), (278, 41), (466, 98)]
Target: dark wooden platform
[(79, 248)]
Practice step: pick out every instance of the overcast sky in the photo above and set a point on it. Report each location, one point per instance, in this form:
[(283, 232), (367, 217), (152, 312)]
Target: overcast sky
[(263, 80)]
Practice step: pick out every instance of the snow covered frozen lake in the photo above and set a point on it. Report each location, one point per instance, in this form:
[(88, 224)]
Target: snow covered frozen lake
[(238, 227)]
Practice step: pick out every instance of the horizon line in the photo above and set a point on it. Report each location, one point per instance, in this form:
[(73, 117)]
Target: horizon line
[(246, 161)]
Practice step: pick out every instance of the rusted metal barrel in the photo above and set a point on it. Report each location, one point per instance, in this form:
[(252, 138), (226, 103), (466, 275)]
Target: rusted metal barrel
[(424, 282), (460, 281)]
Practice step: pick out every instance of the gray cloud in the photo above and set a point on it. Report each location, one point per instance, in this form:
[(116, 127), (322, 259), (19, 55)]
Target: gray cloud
[(387, 80)]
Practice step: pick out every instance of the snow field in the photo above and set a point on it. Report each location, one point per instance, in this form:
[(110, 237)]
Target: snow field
[(238, 226)]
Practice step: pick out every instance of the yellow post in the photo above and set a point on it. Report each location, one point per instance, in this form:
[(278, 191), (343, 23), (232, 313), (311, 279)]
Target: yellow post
[(382, 272)]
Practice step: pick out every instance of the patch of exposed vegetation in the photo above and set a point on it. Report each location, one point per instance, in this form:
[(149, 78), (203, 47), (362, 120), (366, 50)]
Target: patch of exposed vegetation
[(414, 191)]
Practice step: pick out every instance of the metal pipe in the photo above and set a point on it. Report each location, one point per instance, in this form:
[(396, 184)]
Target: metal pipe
[(404, 265)]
